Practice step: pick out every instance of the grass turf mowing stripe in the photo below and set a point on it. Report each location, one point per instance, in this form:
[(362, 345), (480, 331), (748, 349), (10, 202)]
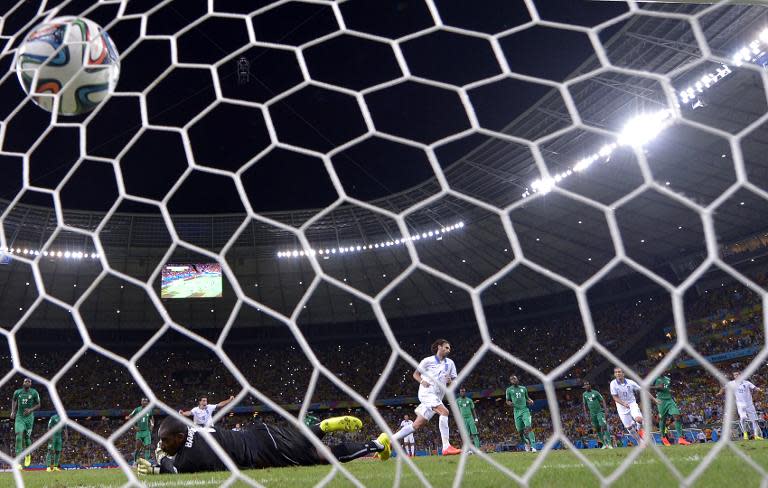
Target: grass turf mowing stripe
[(560, 468)]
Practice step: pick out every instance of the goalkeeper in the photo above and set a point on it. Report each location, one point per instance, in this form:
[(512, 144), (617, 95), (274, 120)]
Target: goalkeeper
[(182, 449)]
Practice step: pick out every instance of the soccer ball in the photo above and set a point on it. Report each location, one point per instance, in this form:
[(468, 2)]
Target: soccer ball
[(70, 58)]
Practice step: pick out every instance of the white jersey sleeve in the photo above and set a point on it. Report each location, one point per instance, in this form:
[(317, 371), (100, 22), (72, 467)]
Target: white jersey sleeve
[(453, 373), (614, 388), (634, 385)]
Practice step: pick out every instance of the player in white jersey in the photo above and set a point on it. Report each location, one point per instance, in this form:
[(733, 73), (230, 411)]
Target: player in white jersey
[(408, 441), (623, 393), (202, 414), (742, 389), (434, 374)]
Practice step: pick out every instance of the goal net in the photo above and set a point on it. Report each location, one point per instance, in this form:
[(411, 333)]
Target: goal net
[(288, 202)]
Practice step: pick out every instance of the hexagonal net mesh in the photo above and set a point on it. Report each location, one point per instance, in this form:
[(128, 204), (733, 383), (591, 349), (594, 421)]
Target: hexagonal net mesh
[(563, 146)]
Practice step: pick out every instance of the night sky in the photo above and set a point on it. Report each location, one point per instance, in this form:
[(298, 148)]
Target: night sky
[(314, 117)]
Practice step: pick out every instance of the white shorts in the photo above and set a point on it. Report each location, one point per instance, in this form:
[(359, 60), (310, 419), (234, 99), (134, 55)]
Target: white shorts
[(746, 412), (409, 439), (629, 415), (428, 401)]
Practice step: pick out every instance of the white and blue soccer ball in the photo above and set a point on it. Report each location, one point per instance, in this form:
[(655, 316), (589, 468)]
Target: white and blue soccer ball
[(69, 58)]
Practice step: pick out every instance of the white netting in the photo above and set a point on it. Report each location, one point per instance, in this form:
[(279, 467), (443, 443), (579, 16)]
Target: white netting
[(667, 101)]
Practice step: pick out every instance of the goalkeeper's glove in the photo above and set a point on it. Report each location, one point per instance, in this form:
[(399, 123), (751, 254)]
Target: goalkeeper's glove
[(145, 467), (159, 453)]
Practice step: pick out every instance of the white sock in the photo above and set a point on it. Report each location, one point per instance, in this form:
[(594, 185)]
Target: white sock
[(413, 450), (756, 429), (444, 431), (743, 427), (407, 430)]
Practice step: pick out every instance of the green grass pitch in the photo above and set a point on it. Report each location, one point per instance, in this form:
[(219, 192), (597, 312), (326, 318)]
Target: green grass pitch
[(560, 468)]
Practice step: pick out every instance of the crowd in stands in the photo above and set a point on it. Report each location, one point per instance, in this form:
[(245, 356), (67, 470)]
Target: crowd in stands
[(282, 373), (723, 319), (179, 377)]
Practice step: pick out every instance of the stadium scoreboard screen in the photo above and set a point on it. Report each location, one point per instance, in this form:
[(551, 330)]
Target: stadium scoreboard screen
[(191, 281)]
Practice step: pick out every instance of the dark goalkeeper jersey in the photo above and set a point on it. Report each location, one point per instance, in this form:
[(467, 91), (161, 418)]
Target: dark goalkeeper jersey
[(258, 446)]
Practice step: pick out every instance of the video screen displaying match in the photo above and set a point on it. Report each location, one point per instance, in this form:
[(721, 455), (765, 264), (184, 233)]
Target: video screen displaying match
[(191, 281)]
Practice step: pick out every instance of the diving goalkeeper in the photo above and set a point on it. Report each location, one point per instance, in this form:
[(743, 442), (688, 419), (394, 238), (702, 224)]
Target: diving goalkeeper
[(182, 449)]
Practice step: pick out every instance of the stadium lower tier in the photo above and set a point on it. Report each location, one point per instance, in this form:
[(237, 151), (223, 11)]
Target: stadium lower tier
[(695, 393)]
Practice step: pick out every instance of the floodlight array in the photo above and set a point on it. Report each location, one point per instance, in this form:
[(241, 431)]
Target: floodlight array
[(644, 128), (31, 253), (327, 252)]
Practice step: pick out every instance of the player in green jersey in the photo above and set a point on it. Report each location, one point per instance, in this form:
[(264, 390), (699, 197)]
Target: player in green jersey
[(593, 401), (517, 397), (25, 401), (667, 408), (468, 413), (53, 456), (143, 427)]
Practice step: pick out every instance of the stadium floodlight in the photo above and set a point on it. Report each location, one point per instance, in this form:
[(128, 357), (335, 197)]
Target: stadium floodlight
[(644, 128), (638, 131), (437, 233), (49, 254)]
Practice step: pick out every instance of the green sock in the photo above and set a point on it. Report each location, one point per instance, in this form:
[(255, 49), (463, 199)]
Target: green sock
[(606, 438), (56, 457), (147, 454), (663, 426), (19, 443), (476, 441), (532, 438), (679, 428), (48, 458), (27, 440)]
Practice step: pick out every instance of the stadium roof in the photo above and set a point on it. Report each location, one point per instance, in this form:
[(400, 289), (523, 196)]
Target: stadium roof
[(564, 235)]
